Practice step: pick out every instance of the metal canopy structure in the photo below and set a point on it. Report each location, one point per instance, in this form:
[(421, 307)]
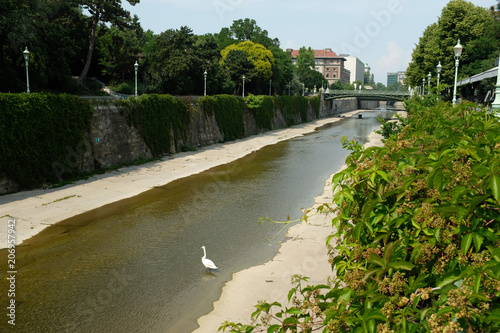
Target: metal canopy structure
[(479, 77)]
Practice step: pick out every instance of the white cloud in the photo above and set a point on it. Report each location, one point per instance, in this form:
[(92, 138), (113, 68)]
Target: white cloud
[(393, 60)]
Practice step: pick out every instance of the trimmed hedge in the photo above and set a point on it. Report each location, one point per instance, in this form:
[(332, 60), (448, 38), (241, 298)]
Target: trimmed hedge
[(40, 132)]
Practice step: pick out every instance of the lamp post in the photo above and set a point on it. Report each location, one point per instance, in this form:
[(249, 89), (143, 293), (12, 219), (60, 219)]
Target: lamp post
[(136, 67), (458, 53), (496, 103), (303, 89), (438, 68), (205, 85), (429, 76), (423, 86), (26, 54), (243, 86), (270, 86)]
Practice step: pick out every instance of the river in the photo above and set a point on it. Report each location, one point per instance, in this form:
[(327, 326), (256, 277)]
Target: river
[(140, 270)]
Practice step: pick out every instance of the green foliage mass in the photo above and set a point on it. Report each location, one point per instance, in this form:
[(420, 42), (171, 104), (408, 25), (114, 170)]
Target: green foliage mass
[(40, 131), (229, 113), (158, 117), (316, 105), (417, 230), (478, 30), (260, 56), (294, 108), (264, 109)]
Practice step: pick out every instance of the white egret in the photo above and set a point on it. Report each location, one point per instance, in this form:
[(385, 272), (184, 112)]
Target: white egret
[(209, 264)]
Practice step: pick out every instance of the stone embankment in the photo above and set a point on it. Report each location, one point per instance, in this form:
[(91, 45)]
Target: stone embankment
[(113, 141)]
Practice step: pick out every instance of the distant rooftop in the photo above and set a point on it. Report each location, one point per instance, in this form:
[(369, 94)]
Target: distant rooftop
[(326, 53)]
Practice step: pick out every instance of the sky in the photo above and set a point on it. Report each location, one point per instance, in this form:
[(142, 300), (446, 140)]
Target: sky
[(382, 33)]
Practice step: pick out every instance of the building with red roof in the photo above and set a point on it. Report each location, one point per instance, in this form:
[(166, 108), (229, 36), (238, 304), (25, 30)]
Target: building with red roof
[(329, 64)]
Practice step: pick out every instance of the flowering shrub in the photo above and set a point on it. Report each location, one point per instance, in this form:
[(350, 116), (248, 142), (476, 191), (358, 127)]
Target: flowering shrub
[(415, 245)]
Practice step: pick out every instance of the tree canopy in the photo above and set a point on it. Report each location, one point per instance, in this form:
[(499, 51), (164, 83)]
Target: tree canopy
[(478, 30)]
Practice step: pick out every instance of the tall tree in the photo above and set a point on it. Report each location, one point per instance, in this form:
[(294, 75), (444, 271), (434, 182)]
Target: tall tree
[(305, 58), (260, 56), (306, 68), (478, 33), (103, 11), (51, 29), (118, 51)]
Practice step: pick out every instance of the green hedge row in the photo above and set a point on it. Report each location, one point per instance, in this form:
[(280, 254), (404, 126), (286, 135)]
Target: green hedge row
[(42, 136), (43, 142)]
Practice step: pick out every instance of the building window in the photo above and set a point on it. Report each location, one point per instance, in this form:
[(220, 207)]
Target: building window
[(327, 74)]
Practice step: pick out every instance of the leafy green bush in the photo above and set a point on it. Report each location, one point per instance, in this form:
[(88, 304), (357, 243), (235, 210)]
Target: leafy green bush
[(389, 128), (417, 231), (40, 131)]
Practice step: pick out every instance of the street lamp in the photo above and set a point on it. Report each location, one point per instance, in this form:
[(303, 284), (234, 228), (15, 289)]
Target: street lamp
[(439, 68), (423, 86), (205, 85), (26, 54), (243, 86), (429, 76), (136, 67), (458, 53), (303, 89), (496, 103)]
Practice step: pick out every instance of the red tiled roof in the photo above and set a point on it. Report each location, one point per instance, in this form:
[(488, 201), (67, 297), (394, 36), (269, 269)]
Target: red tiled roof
[(318, 54)]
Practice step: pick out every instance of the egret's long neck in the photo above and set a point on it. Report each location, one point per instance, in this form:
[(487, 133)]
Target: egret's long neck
[(204, 252)]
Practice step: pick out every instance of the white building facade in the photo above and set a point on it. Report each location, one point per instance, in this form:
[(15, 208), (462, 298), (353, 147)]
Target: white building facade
[(356, 67)]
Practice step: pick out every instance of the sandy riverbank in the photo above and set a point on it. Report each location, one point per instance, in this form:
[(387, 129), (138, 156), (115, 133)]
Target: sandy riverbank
[(304, 253), (36, 210)]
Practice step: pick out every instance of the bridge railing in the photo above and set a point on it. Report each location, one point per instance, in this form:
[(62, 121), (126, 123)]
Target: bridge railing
[(372, 94)]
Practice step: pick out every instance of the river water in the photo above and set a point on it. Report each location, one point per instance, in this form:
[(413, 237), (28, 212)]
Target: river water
[(139, 269)]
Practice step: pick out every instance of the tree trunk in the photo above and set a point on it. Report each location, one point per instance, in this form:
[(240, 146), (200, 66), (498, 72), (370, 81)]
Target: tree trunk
[(93, 33)]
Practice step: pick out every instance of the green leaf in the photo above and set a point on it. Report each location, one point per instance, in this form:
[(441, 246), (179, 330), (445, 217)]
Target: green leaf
[(408, 266), (345, 296), (495, 186), (478, 241), (294, 311), (493, 317), (447, 279), (443, 311), (383, 174), (477, 283), (273, 328), (466, 243), (375, 314), (376, 260), (290, 320)]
